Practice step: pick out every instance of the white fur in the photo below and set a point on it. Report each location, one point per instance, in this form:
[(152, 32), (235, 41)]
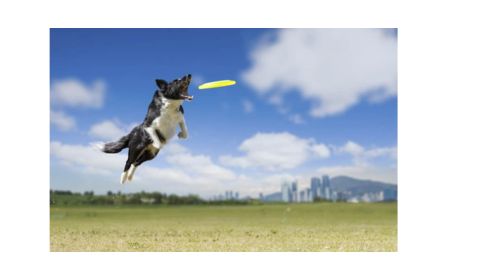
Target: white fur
[(167, 123), (131, 171), (123, 177)]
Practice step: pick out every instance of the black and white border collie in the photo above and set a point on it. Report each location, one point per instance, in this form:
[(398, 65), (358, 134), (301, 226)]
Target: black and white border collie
[(164, 114)]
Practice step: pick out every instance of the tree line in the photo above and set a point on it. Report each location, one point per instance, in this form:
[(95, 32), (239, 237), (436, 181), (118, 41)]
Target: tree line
[(59, 197)]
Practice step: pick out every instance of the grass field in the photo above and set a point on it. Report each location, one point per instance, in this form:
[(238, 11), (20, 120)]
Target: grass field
[(279, 227)]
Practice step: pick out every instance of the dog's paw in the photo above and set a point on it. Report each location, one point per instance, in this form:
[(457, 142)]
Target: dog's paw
[(130, 172), (182, 135), (123, 178)]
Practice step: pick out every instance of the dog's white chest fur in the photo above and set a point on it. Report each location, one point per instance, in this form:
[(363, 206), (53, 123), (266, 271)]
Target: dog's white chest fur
[(166, 123)]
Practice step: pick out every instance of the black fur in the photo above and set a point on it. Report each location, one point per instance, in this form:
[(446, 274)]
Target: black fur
[(115, 147), (153, 109), (138, 139)]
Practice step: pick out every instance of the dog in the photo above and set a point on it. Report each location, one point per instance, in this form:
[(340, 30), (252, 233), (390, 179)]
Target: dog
[(164, 114)]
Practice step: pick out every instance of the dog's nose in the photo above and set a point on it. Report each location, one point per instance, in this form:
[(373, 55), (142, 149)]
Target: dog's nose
[(189, 76)]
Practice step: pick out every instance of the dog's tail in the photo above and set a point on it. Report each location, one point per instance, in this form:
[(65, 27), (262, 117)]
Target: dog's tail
[(115, 147)]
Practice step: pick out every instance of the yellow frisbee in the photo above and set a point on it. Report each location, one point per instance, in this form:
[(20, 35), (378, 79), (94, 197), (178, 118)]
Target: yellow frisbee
[(217, 84)]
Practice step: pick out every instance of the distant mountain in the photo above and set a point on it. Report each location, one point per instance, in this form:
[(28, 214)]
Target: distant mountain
[(357, 186)]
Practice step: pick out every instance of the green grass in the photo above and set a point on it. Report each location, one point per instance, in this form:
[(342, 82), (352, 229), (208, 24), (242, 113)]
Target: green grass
[(279, 227)]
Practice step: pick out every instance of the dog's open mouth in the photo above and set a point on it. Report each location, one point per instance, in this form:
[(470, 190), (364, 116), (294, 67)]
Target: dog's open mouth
[(186, 97)]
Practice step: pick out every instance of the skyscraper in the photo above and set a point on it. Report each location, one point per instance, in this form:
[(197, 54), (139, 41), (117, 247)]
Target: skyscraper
[(326, 181), (333, 196), (315, 186), (301, 196), (328, 194), (294, 191), (286, 193), (325, 186), (389, 195)]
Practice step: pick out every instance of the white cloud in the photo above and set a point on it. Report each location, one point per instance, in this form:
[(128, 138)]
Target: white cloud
[(86, 158), (332, 68), (201, 165), (74, 93), (107, 130), (321, 150), (275, 151), (88, 162), (352, 148), (380, 152), (247, 106), (174, 148), (296, 119), (229, 160), (61, 120), (361, 154), (186, 172)]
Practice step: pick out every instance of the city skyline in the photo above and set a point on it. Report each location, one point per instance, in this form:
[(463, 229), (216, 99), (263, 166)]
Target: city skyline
[(319, 189), (322, 189)]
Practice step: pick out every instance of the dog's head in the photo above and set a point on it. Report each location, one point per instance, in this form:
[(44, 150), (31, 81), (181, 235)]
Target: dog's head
[(176, 89)]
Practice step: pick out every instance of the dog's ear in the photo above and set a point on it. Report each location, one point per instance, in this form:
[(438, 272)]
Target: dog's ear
[(162, 85)]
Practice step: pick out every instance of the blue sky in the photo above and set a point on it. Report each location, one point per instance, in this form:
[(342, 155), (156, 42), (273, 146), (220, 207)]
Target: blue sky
[(307, 102)]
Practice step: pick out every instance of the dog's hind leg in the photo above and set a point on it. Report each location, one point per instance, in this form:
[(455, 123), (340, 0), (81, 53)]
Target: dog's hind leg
[(144, 153), (133, 154), (123, 177), (147, 155), (137, 148), (144, 156), (131, 171)]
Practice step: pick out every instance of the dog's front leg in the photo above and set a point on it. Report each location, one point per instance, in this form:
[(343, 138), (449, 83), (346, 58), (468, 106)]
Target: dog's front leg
[(183, 130)]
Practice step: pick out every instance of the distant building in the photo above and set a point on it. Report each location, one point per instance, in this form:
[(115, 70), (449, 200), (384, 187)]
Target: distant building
[(324, 185), (326, 181), (389, 195), (286, 192), (328, 194), (353, 200), (341, 196), (301, 196), (332, 195), (315, 187), (147, 200), (294, 191), (237, 196)]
